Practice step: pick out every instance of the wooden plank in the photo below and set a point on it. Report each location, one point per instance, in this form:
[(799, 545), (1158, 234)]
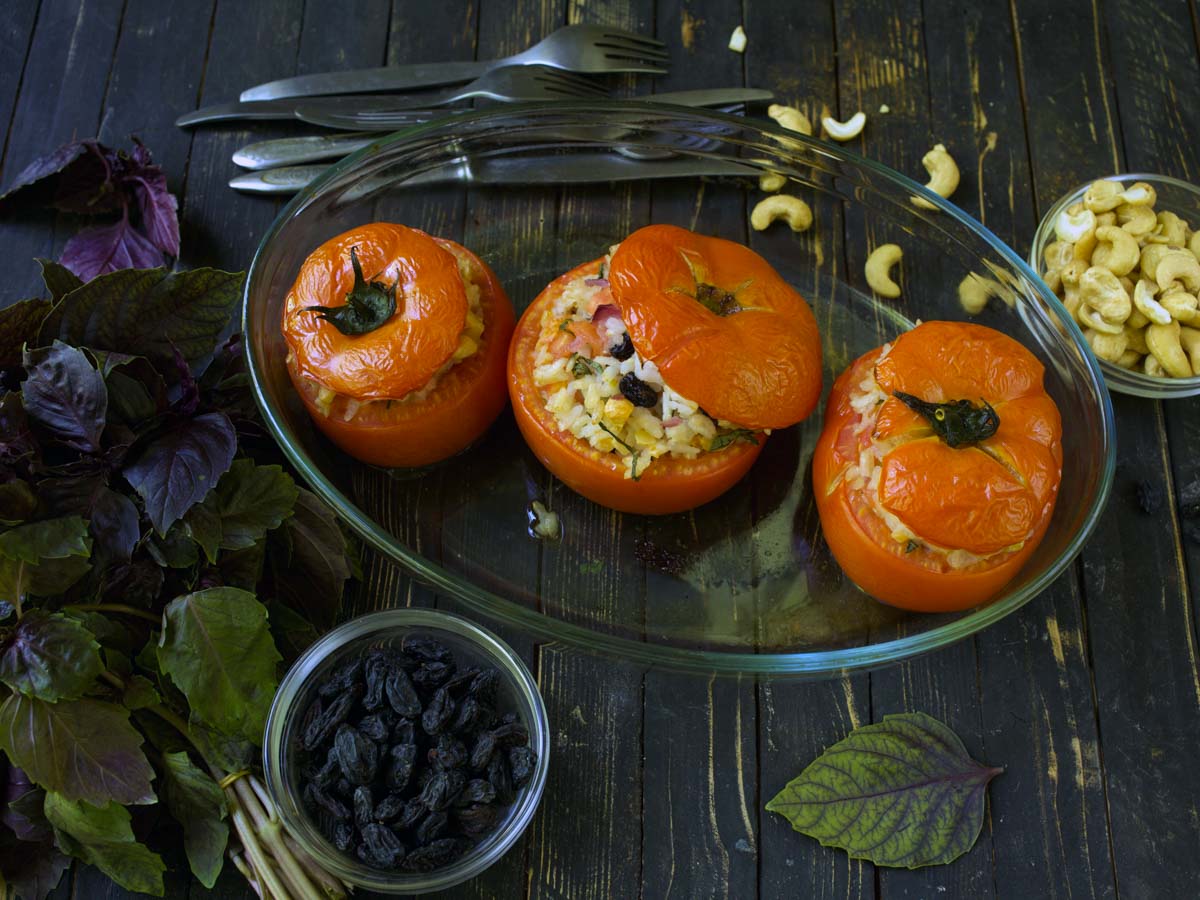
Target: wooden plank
[(1148, 699), (1035, 699), (46, 116), (16, 39)]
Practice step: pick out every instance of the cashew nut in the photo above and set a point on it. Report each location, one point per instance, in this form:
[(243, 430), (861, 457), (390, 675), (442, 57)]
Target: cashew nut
[(1174, 229), (1100, 289), (770, 182), (1194, 245), (1053, 279), (1190, 339), (790, 118), (1117, 250), (791, 209), (1181, 305), (974, 291), (1072, 270), (1165, 346), (1057, 254), (1072, 302), (1137, 220), (1072, 226), (1151, 255), (1102, 195), (845, 131), (1106, 346), (943, 176), (1139, 194), (737, 40), (1090, 318), (1143, 299), (1178, 267), (878, 267), (1106, 218), (1128, 359), (1137, 319), (1135, 339), (1151, 366)]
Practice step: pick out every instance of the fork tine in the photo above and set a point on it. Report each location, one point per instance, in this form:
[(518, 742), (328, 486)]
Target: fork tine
[(630, 37), (571, 78), (573, 90), (621, 64), (632, 60), (634, 52)]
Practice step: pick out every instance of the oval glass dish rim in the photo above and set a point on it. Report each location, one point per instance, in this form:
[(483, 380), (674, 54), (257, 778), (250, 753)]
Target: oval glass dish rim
[(1130, 382), (816, 664), (375, 624)]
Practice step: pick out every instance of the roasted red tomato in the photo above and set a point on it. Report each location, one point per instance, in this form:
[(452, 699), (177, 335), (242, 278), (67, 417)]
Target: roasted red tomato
[(647, 381), (938, 467), (397, 343)]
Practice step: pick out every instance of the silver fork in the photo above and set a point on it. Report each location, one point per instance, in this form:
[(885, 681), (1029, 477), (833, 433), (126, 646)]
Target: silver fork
[(586, 49)]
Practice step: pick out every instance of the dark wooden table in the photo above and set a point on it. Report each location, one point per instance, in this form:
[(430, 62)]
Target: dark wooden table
[(1089, 697)]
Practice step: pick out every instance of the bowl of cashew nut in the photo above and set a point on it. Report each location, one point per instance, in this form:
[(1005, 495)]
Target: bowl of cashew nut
[(1122, 255)]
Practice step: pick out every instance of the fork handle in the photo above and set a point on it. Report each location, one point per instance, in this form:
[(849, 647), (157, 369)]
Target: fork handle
[(386, 78)]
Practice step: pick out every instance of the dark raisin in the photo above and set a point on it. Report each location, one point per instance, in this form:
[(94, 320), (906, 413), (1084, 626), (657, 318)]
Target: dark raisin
[(413, 811), (364, 805), (483, 688), (378, 727), (512, 734), (425, 649), (477, 791), (405, 732), (521, 762), (389, 808), (334, 715), (475, 820), (357, 754), (440, 853), (342, 788), (375, 672), (342, 678), (438, 713), (623, 349), (312, 714), (431, 827), (328, 803), (401, 694), (449, 753), (327, 774), (509, 718), (430, 674), (343, 836), (384, 849), (500, 779), (472, 716), (400, 767), (637, 391), (481, 753), (443, 789), (460, 679)]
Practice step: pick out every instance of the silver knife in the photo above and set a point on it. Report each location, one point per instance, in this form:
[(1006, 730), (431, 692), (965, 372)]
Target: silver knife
[(577, 168), (297, 150)]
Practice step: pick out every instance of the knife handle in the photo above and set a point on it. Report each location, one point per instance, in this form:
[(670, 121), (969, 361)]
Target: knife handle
[(386, 78), (295, 150)]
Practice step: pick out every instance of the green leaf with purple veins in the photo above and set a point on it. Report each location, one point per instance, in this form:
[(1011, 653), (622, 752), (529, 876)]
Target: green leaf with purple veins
[(903, 792), (50, 656)]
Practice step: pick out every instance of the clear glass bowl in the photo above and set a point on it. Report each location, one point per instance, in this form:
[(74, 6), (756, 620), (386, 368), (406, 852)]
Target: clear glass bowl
[(742, 584), (472, 646), (1175, 196)]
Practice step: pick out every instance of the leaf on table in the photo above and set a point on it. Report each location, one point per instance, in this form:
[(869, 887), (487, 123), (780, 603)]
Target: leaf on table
[(32, 869), (103, 837), (217, 648), (43, 558), (902, 792), (77, 177), (84, 749), (157, 207), (312, 577), (50, 656), (65, 394), (178, 469), (198, 804), (248, 502), (17, 502), (147, 312), (59, 280), (19, 325), (101, 249)]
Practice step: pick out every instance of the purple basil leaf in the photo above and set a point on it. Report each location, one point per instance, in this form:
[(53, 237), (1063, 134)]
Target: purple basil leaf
[(180, 467), (107, 248), (17, 440), (112, 517), (50, 656), (19, 325), (23, 814), (66, 395), (74, 178), (158, 208), (32, 870), (136, 584)]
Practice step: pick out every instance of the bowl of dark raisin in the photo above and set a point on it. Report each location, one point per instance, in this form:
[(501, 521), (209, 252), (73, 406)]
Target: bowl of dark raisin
[(407, 750)]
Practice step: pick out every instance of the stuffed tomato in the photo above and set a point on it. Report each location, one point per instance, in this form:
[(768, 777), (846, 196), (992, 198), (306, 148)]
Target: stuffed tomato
[(397, 344), (647, 380), (938, 466)]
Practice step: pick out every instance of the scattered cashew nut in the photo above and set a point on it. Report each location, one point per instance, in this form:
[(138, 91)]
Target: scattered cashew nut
[(737, 40), (974, 291), (1166, 347), (1143, 299), (770, 182), (1117, 250), (790, 118), (791, 209), (878, 267), (845, 131), (943, 174), (1102, 291)]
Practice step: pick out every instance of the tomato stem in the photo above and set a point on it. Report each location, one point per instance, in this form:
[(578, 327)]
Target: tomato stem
[(960, 423)]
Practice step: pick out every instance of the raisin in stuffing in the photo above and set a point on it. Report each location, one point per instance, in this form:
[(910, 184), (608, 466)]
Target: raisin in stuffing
[(637, 391), (622, 350)]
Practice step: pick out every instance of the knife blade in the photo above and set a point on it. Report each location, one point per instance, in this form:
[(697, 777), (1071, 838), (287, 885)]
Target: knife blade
[(389, 78), (575, 168)]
